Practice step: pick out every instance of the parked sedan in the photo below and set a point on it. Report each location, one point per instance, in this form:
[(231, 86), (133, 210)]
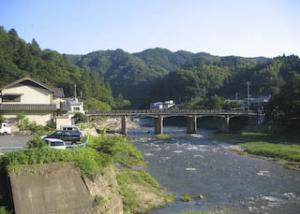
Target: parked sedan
[(72, 136), (55, 143)]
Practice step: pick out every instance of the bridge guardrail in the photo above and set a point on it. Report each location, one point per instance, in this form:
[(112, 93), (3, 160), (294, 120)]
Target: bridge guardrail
[(170, 111)]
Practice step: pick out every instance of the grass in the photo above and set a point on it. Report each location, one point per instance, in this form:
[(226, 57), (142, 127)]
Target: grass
[(163, 137), (90, 160), (186, 198), (273, 144), (131, 200), (283, 151)]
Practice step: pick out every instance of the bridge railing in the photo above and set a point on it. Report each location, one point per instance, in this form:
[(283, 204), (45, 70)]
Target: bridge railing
[(170, 111)]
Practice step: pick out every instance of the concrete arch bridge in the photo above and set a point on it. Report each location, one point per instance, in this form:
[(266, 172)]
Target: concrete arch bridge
[(192, 116)]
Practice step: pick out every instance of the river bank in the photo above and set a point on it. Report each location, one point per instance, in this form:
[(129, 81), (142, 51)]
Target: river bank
[(282, 149)]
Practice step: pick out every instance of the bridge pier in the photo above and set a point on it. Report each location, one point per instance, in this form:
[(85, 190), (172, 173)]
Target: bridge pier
[(227, 121), (192, 125), (159, 125), (123, 126)]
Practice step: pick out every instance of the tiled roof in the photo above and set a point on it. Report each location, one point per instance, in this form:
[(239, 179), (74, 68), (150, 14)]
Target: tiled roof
[(27, 107), (30, 80)]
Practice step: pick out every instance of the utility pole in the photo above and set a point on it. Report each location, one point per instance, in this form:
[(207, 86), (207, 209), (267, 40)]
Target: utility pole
[(75, 94), (248, 94)]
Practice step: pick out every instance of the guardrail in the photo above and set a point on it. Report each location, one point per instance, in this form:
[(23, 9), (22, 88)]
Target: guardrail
[(170, 111)]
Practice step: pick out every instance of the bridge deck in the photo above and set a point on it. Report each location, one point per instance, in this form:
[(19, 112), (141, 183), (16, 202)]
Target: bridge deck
[(168, 112)]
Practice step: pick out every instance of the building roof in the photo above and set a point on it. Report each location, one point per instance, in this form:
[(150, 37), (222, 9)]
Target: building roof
[(59, 92), (27, 79)]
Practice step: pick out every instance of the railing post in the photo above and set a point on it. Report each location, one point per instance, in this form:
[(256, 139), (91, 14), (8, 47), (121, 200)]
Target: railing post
[(159, 125)]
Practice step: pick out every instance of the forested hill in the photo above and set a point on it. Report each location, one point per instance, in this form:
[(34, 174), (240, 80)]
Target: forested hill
[(18, 59), (136, 76)]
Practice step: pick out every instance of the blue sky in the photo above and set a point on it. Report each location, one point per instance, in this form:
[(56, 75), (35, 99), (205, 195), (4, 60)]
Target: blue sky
[(221, 27)]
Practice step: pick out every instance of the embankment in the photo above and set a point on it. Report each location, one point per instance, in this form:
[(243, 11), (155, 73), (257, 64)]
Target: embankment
[(97, 179)]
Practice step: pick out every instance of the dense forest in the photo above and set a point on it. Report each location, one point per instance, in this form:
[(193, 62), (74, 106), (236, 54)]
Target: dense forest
[(18, 59)]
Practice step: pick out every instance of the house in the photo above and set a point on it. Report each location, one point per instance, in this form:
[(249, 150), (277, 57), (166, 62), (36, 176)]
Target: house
[(72, 106), (30, 97)]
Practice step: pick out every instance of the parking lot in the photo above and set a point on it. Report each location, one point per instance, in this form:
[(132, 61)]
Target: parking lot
[(12, 142)]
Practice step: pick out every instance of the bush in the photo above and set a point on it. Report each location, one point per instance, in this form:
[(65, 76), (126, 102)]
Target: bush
[(36, 142), (163, 137), (25, 125), (119, 149), (186, 198), (89, 161), (80, 118), (4, 211)]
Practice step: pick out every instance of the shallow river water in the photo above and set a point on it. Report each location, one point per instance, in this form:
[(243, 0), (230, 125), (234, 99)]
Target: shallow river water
[(197, 165)]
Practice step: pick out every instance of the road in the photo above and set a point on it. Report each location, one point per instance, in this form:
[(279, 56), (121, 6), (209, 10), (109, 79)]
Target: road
[(12, 142)]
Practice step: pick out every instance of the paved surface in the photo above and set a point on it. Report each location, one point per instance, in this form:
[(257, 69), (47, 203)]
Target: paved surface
[(12, 142)]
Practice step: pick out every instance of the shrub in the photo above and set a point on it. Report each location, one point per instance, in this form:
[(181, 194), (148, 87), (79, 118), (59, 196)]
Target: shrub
[(36, 142), (89, 161), (163, 137), (1, 119), (4, 211), (118, 148), (186, 198), (80, 118)]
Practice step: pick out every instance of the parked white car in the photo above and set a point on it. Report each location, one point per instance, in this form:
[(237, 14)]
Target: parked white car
[(55, 143), (5, 129)]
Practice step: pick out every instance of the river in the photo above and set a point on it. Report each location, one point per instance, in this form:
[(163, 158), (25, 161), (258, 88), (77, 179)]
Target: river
[(198, 165)]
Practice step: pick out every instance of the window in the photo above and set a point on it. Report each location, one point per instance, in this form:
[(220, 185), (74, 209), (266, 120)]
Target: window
[(76, 108), (11, 98)]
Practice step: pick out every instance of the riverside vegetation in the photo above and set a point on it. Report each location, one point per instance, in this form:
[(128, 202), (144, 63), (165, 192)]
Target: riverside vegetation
[(101, 155), (280, 146)]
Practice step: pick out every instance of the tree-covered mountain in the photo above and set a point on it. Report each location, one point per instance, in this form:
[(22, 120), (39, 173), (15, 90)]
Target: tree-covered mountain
[(138, 77), (18, 59)]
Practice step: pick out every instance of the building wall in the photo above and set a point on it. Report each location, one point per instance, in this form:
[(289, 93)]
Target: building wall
[(63, 121), (43, 118), (30, 94)]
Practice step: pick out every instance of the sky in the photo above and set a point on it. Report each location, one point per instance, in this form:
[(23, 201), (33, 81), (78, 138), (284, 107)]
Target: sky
[(221, 27)]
